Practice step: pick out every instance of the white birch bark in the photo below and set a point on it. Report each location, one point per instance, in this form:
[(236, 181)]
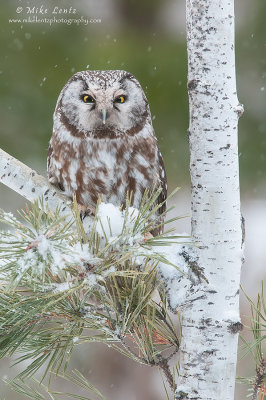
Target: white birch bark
[(210, 325), (29, 184)]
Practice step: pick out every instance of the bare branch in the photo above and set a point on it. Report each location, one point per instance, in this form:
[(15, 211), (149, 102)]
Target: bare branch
[(29, 184), (260, 376)]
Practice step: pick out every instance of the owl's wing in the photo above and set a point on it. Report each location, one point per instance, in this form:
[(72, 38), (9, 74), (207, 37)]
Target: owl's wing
[(49, 159), (162, 183), (51, 175)]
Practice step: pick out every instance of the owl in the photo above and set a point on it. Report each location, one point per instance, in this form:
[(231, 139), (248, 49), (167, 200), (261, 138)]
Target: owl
[(103, 142)]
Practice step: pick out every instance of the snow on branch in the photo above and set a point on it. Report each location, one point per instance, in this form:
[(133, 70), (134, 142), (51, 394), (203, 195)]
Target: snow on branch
[(109, 271), (29, 184), (32, 186)]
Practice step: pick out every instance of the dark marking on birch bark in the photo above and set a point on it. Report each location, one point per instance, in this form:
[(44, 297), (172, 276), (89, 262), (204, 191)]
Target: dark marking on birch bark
[(243, 230), (192, 85), (181, 395), (235, 327), (208, 353), (225, 147), (194, 266)]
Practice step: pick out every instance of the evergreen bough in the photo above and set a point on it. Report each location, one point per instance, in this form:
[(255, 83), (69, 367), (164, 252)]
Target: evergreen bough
[(63, 285)]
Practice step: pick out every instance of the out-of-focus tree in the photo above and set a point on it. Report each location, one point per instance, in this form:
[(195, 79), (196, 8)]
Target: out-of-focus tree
[(139, 14)]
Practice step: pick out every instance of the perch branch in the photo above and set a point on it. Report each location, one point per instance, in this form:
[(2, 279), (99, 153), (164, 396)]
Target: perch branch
[(29, 184), (260, 376)]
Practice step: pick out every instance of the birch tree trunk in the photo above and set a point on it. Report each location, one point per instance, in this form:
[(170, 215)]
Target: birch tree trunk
[(210, 325)]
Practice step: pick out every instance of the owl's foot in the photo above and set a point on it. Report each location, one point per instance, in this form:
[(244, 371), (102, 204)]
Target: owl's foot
[(53, 180), (147, 236), (86, 211)]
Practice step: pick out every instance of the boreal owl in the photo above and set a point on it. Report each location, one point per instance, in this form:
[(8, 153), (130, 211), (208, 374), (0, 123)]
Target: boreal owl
[(103, 142)]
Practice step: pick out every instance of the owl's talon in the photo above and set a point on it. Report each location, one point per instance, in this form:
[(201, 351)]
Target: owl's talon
[(86, 211), (148, 236), (53, 181)]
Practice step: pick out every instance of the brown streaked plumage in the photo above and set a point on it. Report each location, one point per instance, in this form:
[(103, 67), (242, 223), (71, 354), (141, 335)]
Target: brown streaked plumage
[(105, 145)]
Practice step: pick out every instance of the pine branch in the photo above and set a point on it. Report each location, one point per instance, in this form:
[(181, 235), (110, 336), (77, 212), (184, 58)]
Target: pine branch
[(168, 374), (32, 186), (67, 281), (62, 285), (37, 390), (257, 384), (259, 380)]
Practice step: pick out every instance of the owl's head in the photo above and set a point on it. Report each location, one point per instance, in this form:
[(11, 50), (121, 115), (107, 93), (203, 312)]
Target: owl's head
[(102, 101)]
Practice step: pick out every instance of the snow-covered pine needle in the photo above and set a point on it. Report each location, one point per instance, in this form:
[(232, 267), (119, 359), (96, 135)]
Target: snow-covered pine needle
[(62, 284)]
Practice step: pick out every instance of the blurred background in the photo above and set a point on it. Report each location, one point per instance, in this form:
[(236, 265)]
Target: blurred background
[(148, 39)]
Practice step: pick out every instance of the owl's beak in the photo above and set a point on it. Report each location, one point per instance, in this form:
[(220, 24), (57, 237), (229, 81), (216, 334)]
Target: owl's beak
[(104, 114)]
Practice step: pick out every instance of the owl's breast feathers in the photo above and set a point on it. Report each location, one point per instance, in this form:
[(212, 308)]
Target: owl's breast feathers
[(92, 167)]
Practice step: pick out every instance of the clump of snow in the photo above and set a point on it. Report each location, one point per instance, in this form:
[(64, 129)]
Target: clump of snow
[(29, 261), (113, 223), (91, 280), (109, 271), (111, 220), (9, 218), (80, 254), (41, 254), (176, 280), (62, 287), (61, 255), (43, 246)]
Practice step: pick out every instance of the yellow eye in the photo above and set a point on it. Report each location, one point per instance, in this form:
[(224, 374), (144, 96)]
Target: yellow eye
[(120, 99), (88, 99)]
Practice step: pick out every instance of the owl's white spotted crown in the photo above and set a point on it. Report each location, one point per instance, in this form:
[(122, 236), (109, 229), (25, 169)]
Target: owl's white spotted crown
[(105, 79)]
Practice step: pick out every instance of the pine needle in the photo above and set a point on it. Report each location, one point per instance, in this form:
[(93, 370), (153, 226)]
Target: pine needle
[(61, 286)]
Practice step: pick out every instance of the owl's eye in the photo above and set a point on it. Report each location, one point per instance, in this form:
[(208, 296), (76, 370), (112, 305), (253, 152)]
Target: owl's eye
[(88, 99), (120, 99)]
